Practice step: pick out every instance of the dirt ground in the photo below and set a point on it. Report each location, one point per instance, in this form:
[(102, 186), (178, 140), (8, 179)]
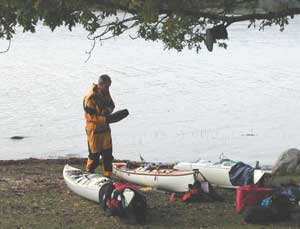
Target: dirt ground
[(33, 195)]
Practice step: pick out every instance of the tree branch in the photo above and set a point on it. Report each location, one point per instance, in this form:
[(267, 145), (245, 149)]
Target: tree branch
[(8, 47)]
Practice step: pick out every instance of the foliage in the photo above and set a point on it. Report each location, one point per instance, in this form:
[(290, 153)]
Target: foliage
[(177, 23)]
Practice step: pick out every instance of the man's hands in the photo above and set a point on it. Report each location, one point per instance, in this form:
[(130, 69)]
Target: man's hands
[(106, 112)]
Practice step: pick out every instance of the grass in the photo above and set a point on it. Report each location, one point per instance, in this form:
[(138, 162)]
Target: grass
[(33, 195)]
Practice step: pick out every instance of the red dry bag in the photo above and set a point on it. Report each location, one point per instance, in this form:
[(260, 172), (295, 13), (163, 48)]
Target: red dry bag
[(249, 195)]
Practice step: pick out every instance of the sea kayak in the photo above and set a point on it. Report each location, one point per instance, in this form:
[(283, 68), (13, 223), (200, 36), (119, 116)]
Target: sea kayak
[(162, 179), (83, 184), (217, 173), (120, 199)]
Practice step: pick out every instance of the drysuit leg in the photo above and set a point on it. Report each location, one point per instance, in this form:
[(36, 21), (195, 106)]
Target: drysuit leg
[(107, 160), (92, 162)]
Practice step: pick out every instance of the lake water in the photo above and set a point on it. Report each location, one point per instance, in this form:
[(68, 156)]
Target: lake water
[(243, 101)]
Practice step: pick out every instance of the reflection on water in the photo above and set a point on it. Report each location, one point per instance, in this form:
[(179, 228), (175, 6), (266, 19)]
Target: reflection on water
[(243, 102)]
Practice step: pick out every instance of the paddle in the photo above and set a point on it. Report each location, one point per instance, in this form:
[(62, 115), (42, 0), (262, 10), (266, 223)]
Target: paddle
[(117, 116)]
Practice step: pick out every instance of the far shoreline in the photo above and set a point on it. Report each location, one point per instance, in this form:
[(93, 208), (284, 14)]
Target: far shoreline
[(62, 160)]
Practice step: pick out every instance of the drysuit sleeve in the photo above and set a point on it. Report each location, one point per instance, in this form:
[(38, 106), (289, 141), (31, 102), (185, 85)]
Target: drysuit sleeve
[(91, 115), (109, 105)]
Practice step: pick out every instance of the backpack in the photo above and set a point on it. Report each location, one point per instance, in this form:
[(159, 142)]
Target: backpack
[(124, 200), (280, 204), (277, 210), (259, 215)]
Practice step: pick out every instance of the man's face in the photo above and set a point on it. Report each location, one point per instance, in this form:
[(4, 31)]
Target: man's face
[(104, 87)]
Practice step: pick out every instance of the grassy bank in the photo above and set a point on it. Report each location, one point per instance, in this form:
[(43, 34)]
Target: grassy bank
[(33, 195)]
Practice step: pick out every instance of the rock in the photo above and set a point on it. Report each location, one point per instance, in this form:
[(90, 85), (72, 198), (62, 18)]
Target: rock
[(291, 167), (287, 163), (298, 169), (17, 137)]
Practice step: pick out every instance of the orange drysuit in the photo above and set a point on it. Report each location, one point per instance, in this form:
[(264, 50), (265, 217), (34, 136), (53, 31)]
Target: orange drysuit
[(96, 107)]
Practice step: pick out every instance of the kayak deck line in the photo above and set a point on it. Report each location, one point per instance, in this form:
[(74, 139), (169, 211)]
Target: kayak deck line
[(153, 172)]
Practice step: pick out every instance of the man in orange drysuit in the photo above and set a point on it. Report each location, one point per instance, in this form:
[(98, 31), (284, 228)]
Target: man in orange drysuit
[(97, 105)]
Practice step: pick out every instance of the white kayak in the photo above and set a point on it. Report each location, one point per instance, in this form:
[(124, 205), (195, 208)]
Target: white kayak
[(121, 199), (217, 173), (163, 179), (85, 185)]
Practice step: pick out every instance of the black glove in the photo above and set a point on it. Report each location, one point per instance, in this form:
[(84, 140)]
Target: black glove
[(117, 116), (105, 112)]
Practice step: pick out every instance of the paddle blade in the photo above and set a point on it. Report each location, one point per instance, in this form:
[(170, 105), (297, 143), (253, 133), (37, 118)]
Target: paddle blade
[(117, 116)]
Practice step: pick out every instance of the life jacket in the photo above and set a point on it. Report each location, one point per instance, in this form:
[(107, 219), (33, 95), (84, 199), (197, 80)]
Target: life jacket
[(96, 106), (194, 195), (100, 100), (201, 192), (112, 199)]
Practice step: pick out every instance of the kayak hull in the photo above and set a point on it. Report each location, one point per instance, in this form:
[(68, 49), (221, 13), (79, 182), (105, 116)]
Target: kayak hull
[(85, 185), (216, 174), (162, 179)]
